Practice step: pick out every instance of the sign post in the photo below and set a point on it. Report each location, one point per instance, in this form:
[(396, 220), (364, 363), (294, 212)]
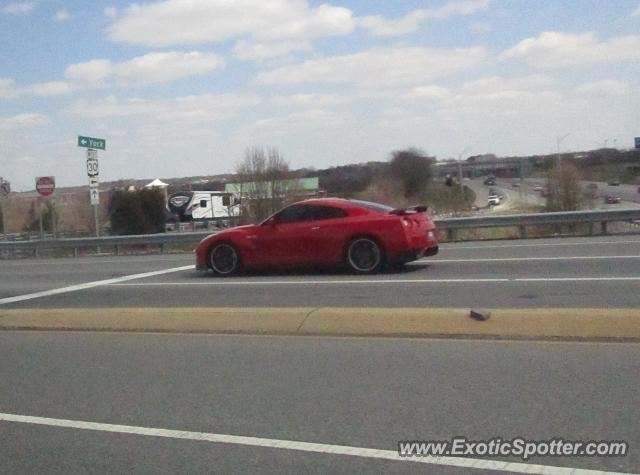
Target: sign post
[(5, 189), (92, 145), (46, 186)]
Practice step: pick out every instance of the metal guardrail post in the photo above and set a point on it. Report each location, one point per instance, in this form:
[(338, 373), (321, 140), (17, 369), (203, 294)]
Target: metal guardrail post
[(523, 232)]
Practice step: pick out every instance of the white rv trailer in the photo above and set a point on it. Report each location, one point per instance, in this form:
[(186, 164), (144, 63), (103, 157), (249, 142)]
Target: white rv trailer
[(204, 205)]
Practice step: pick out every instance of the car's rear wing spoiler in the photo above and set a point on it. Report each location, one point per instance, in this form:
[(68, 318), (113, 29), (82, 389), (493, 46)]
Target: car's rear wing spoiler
[(410, 210)]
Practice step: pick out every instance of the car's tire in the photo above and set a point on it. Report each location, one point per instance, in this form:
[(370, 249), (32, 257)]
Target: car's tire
[(364, 256), (224, 259)]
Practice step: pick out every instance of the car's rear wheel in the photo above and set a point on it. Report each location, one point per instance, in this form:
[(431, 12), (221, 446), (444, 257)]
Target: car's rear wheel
[(224, 259), (364, 256)]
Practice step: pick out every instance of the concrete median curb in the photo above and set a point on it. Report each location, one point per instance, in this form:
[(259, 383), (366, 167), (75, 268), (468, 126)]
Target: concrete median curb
[(520, 324)]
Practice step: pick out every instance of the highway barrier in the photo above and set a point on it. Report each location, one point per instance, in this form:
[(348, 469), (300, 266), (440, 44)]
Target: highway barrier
[(595, 220)]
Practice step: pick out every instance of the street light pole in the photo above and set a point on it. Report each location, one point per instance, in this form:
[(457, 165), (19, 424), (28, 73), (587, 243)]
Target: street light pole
[(460, 168)]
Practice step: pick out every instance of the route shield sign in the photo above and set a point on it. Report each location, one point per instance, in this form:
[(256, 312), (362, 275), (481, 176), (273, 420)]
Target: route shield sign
[(92, 142), (92, 166), (45, 185), (637, 140)]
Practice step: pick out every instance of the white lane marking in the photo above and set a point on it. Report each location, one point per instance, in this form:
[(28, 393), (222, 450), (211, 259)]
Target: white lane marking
[(506, 259), (479, 464), (378, 281), (80, 261), (453, 247), (89, 285)]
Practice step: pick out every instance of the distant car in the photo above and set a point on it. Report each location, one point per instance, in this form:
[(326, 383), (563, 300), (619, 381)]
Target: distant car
[(493, 200), (537, 188), (515, 184), (614, 183), (490, 181), (610, 199), (360, 235)]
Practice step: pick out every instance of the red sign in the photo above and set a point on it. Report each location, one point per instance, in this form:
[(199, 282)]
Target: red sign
[(46, 185)]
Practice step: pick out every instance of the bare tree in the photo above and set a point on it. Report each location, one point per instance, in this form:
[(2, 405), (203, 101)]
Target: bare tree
[(564, 192), (264, 185)]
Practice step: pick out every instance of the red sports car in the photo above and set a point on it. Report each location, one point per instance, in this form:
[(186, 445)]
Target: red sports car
[(362, 235)]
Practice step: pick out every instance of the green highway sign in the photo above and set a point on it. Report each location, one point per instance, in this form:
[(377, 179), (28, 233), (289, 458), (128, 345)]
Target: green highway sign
[(91, 142)]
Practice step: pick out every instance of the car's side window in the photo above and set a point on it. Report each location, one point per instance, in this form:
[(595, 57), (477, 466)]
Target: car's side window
[(294, 214), (326, 212)]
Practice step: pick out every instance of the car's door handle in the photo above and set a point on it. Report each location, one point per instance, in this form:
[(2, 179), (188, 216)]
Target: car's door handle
[(315, 228), (253, 236)]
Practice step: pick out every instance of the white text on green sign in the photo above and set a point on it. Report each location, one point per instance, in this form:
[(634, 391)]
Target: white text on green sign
[(91, 142)]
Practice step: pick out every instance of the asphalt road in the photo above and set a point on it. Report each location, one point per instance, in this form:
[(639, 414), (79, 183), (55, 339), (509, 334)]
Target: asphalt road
[(358, 393), (566, 272)]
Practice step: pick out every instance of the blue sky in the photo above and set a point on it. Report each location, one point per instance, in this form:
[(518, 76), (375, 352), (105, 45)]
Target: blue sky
[(183, 87)]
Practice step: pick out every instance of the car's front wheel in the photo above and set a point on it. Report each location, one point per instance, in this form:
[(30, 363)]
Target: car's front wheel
[(364, 256), (224, 259)]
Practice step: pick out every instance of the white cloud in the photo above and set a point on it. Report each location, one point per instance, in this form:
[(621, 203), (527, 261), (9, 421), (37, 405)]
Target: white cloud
[(480, 28), (173, 22), (93, 72), (554, 49), (151, 68), (249, 50), (380, 26), (201, 108), (164, 67), (312, 100), (607, 87), (18, 8), (111, 12), (8, 88), (429, 92), (148, 69), (22, 121), (377, 67), (52, 88), (492, 84), (62, 15)]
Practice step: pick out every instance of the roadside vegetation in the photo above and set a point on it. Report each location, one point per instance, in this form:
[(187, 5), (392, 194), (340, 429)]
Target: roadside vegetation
[(408, 180), (137, 211), (564, 192)]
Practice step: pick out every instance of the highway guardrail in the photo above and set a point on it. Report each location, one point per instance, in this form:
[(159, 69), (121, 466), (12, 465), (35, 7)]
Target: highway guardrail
[(450, 226), (522, 221)]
